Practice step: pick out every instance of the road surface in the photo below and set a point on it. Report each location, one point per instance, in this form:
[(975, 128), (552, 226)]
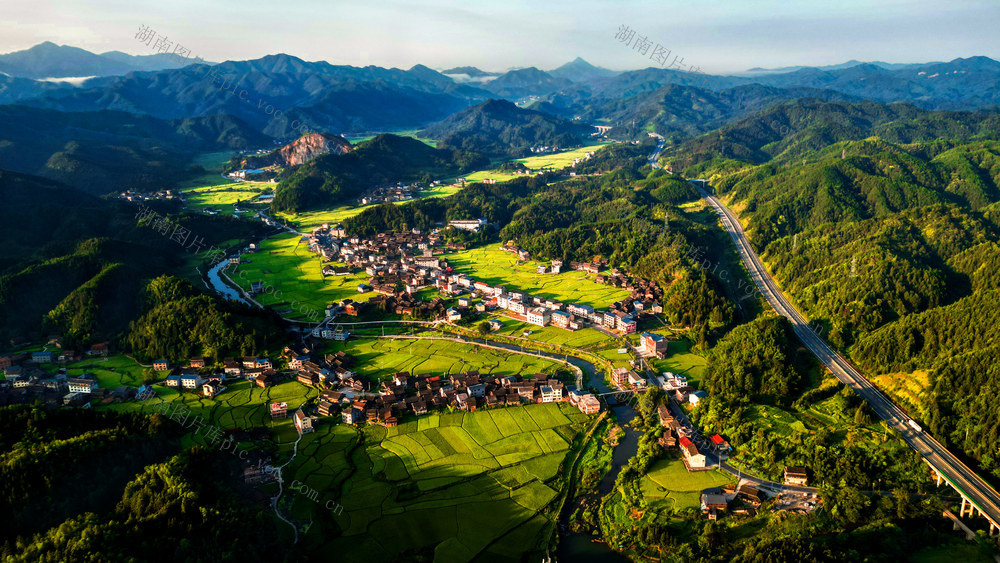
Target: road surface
[(983, 496), (656, 152)]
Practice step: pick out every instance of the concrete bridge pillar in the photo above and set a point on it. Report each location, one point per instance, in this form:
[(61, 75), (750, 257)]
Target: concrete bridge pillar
[(961, 511), (938, 475)]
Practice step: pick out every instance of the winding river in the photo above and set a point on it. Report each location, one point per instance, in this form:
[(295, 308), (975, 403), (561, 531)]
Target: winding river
[(224, 289)]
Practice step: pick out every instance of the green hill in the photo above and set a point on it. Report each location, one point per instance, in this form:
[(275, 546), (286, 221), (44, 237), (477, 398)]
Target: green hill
[(332, 179), (500, 128)]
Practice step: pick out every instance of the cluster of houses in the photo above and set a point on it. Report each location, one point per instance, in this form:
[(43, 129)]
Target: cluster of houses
[(173, 195), (400, 264), (388, 194), (469, 391), (26, 381), (676, 434), (395, 192), (747, 499)]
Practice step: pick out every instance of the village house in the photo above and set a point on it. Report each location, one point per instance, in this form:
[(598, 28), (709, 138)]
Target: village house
[(620, 377), (161, 365), (796, 475), (750, 495), (351, 415), (279, 411), (653, 344), (712, 504), (588, 404), (191, 381), (232, 367), (692, 457), (561, 319), (197, 362), (44, 357), (539, 316), (81, 385), (212, 388), (303, 423)]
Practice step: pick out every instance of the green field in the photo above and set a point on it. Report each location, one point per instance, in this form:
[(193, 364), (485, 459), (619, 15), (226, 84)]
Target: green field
[(555, 161), (451, 487), (494, 266), (680, 359), (669, 484), (222, 197), (111, 371), (242, 405), (286, 263), (307, 220), (380, 358), (584, 338)]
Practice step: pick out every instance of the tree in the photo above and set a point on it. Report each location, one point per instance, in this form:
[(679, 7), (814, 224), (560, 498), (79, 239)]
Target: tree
[(483, 328)]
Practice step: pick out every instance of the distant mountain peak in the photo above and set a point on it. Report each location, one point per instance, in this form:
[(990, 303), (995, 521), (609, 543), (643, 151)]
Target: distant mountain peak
[(579, 70)]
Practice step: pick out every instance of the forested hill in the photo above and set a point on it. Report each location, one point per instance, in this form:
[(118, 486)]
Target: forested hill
[(791, 131), (889, 247), (858, 180), (500, 128), (108, 151), (78, 482), (333, 179), (78, 264)]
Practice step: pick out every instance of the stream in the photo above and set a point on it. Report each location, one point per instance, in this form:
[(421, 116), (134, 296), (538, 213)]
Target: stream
[(581, 547)]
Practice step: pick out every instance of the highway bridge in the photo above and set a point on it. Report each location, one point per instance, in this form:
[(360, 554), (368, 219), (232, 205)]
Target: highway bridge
[(977, 495)]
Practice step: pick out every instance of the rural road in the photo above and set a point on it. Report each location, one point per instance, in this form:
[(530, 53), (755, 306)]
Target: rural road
[(965, 480)]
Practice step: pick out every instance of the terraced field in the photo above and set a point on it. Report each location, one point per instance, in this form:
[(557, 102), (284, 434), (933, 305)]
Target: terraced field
[(380, 358), (487, 477), (494, 266)]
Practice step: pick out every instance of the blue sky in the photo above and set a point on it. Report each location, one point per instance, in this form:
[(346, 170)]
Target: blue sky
[(717, 36)]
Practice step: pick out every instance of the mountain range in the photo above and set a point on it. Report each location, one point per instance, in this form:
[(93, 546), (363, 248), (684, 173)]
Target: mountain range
[(48, 60), (250, 104)]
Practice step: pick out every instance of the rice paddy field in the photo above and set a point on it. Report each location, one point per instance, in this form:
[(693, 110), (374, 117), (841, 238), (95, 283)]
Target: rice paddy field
[(495, 266), (449, 487), (668, 484), (285, 263), (222, 197), (380, 358), (584, 338), (307, 220), (554, 161)]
